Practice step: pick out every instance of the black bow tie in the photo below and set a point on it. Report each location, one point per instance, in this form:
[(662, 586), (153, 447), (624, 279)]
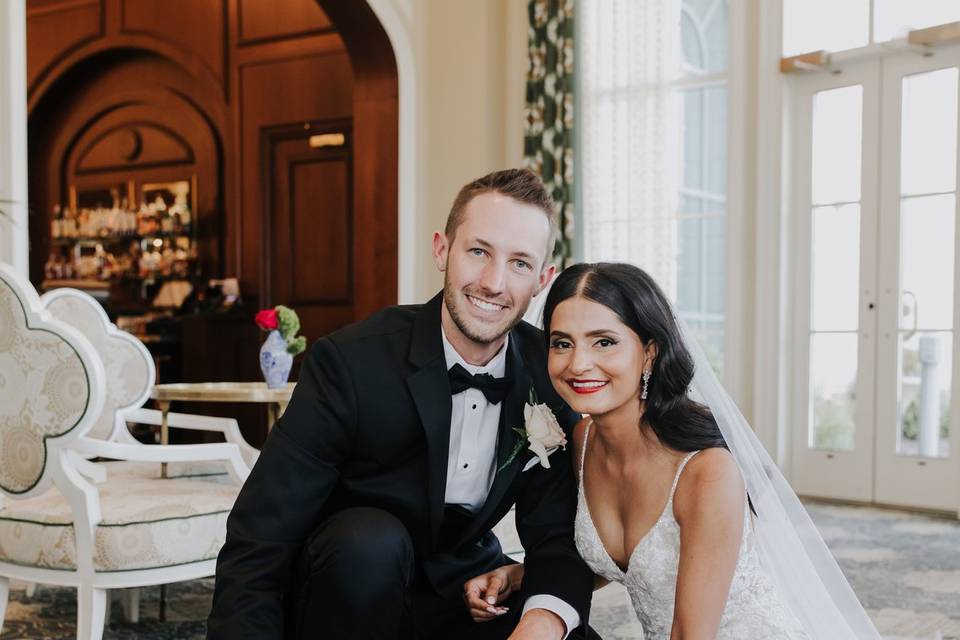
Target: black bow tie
[(495, 389)]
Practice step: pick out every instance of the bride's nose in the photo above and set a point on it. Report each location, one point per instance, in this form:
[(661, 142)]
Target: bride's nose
[(580, 361)]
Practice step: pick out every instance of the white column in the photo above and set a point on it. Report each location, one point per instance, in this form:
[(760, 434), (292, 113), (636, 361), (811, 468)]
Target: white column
[(14, 240)]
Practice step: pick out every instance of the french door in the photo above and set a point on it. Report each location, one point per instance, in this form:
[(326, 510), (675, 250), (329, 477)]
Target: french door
[(874, 210)]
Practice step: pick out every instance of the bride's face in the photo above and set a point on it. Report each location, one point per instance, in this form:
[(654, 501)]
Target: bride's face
[(595, 360)]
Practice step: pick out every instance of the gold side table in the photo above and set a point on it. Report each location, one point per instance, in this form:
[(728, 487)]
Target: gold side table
[(275, 399)]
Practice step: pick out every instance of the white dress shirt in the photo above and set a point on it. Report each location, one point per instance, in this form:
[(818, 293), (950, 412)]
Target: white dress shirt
[(472, 457)]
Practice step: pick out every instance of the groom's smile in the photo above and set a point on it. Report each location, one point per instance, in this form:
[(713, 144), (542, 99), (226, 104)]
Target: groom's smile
[(485, 305)]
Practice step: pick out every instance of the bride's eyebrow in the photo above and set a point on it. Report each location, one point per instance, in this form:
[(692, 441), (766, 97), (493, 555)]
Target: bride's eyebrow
[(603, 332), (589, 334)]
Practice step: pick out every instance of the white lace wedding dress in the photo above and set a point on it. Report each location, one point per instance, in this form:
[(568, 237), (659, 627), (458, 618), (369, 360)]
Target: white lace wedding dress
[(754, 609)]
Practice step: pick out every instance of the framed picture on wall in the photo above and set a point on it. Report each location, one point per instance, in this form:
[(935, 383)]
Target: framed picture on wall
[(101, 196), (170, 193)]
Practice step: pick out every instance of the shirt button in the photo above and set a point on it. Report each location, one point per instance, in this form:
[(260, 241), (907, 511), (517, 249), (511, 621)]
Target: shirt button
[(474, 406), (466, 465)]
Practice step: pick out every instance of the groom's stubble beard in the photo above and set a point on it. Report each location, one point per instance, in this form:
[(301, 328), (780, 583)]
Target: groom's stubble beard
[(454, 298)]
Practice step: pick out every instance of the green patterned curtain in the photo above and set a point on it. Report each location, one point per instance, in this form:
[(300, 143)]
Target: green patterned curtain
[(548, 126)]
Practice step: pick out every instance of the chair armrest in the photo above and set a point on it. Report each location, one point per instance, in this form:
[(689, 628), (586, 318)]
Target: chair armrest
[(226, 451), (227, 426)]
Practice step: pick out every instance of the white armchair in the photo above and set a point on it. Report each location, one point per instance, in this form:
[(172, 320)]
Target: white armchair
[(69, 521), (130, 376)]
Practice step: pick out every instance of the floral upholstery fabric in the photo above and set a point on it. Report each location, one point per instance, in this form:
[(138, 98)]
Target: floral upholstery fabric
[(128, 371), (148, 522), (44, 392)]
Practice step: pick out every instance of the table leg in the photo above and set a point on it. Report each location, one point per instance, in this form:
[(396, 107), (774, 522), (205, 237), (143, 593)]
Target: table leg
[(274, 411), (164, 431)]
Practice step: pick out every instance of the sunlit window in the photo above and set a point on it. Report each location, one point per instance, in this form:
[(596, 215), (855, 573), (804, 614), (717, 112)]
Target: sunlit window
[(832, 25), (653, 148)]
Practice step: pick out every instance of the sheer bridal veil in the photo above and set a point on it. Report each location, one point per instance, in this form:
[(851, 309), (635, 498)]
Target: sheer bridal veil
[(792, 549)]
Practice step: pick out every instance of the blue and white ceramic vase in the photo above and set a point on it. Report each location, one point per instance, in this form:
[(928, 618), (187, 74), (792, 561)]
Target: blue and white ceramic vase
[(275, 362)]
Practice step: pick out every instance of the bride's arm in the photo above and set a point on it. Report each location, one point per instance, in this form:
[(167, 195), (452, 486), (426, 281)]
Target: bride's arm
[(708, 506)]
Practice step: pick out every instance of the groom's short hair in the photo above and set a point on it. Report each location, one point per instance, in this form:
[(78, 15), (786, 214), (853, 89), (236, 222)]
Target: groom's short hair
[(522, 185)]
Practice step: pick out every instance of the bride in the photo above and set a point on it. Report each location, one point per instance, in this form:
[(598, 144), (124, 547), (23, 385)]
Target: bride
[(678, 501)]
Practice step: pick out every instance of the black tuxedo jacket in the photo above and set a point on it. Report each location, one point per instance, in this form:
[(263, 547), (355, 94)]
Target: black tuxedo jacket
[(369, 425)]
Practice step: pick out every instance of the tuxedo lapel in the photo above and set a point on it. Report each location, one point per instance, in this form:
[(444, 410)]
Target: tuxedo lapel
[(430, 388), (511, 417)]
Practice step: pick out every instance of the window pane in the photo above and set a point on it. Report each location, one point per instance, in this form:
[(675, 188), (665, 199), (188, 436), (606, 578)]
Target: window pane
[(833, 380), (811, 25), (925, 372), (835, 266), (715, 253), (692, 43), (709, 335), (690, 266), (693, 138), (703, 35), (837, 135), (715, 140), (928, 159), (926, 262), (894, 18)]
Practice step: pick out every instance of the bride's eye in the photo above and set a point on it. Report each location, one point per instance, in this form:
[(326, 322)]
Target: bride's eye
[(605, 342), (559, 344)]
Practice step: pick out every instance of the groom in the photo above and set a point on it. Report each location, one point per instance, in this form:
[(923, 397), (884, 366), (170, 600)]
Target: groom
[(373, 498)]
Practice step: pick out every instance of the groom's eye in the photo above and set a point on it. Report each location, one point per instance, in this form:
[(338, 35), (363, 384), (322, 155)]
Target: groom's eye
[(476, 251)]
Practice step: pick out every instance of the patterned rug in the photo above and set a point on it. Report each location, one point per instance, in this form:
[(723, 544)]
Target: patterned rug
[(904, 567)]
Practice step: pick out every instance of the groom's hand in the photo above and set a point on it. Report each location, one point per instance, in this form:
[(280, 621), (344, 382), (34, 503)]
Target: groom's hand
[(483, 593), (539, 624)]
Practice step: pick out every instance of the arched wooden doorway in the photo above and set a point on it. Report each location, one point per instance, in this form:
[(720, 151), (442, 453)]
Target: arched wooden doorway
[(255, 73)]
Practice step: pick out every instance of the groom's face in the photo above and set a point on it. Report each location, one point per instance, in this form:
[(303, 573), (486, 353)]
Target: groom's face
[(493, 265)]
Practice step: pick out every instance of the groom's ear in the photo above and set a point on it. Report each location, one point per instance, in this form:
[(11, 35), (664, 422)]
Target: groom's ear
[(440, 249), (546, 275)]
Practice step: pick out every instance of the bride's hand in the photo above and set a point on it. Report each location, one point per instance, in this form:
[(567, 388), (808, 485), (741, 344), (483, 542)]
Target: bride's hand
[(483, 593)]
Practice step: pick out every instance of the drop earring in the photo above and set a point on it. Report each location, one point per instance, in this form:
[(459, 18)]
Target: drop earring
[(646, 384)]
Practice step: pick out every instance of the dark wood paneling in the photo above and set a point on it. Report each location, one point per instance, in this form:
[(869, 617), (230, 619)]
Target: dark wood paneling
[(197, 26), (132, 146), (308, 226), (273, 94), (56, 29), (261, 21), (319, 213), (376, 135), (201, 82)]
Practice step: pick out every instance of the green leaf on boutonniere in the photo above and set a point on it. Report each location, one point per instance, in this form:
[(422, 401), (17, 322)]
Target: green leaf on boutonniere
[(517, 448)]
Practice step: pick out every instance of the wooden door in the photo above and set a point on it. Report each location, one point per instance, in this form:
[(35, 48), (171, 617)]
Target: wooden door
[(309, 224)]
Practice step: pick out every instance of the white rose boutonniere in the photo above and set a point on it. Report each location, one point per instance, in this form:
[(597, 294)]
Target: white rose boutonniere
[(541, 432)]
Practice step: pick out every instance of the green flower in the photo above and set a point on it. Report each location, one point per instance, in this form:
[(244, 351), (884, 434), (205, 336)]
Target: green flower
[(289, 326)]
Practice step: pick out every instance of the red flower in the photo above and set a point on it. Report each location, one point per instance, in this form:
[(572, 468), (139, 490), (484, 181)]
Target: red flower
[(266, 319)]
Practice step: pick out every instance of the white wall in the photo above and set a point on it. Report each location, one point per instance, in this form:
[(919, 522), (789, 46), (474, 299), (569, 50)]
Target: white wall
[(462, 69), (13, 134), (472, 86)]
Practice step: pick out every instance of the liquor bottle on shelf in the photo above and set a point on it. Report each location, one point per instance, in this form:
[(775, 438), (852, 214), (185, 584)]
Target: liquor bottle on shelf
[(56, 222)]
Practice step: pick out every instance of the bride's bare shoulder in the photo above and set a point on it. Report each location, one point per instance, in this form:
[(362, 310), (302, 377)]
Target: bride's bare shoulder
[(710, 481)]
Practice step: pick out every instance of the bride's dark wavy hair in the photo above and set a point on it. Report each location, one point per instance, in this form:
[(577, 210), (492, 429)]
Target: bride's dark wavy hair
[(678, 421)]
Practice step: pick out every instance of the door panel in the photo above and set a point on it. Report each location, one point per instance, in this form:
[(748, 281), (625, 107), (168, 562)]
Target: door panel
[(309, 226), (916, 409), (835, 281)]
